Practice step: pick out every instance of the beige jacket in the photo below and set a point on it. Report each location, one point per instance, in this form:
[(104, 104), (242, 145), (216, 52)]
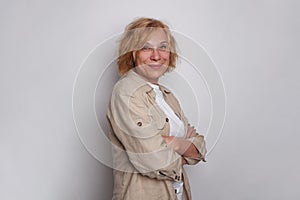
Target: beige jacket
[(144, 166)]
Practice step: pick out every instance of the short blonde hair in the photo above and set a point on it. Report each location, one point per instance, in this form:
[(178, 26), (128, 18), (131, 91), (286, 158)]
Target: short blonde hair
[(135, 36)]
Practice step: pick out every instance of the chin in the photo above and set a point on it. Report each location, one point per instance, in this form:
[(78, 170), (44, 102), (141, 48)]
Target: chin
[(156, 76)]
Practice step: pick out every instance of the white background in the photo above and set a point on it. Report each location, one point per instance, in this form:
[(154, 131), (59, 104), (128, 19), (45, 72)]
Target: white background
[(254, 43)]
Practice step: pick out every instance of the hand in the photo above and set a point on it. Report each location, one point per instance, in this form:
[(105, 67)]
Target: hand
[(191, 132), (168, 139), (175, 143), (182, 146)]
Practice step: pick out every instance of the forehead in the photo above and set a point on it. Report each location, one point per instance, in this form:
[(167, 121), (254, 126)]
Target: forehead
[(157, 36)]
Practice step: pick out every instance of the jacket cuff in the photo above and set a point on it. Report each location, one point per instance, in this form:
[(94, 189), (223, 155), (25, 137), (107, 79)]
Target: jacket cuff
[(199, 143)]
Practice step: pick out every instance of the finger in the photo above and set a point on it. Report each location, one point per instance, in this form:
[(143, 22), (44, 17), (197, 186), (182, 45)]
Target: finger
[(190, 131), (183, 161)]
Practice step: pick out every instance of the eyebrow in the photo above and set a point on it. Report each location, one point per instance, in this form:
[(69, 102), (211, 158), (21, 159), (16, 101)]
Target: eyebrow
[(163, 42)]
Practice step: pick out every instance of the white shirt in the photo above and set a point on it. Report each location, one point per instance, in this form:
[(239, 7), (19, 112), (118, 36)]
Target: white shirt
[(176, 125), (176, 128)]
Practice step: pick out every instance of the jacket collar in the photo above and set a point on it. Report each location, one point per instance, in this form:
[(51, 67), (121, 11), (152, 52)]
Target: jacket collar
[(142, 82)]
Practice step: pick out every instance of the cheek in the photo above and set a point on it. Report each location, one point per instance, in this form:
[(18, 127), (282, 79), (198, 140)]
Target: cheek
[(140, 58), (166, 57)]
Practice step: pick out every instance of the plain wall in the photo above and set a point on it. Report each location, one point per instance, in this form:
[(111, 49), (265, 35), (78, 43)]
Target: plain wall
[(254, 44)]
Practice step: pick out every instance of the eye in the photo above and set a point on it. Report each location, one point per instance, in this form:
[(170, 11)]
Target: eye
[(164, 47), (146, 48)]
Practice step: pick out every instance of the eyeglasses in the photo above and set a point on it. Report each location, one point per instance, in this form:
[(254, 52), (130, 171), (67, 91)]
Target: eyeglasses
[(163, 48)]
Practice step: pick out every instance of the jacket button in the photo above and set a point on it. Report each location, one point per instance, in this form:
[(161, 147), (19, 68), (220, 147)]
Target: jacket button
[(139, 123), (167, 119)]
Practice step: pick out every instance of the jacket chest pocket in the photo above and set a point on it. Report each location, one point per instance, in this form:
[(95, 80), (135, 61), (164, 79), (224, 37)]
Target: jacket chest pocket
[(148, 119), (161, 121), (165, 130)]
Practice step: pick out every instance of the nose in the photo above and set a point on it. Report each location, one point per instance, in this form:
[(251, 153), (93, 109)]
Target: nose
[(155, 55)]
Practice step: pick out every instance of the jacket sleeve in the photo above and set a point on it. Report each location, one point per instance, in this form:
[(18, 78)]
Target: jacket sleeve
[(138, 127), (199, 142), (196, 139)]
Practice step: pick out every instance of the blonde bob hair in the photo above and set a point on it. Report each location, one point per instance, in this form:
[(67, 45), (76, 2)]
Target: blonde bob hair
[(135, 36)]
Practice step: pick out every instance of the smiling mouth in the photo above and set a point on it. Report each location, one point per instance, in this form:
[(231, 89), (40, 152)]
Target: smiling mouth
[(155, 65)]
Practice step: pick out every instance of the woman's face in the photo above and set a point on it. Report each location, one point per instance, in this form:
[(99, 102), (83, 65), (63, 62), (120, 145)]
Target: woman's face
[(153, 59)]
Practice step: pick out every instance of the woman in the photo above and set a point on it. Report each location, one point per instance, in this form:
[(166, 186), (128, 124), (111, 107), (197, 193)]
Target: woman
[(151, 137)]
